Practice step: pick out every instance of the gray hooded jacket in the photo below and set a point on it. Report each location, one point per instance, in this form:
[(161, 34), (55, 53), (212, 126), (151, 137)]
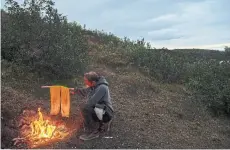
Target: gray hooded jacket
[(99, 94)]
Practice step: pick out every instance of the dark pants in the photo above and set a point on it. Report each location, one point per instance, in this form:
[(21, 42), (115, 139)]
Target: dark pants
[(90, 116)]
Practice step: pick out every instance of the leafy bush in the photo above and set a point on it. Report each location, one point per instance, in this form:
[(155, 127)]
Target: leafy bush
[(160, 63), (210, 81), (36, 35)]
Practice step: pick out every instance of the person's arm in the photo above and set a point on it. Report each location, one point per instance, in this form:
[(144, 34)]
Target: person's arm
[(80, 91), (99, 93)]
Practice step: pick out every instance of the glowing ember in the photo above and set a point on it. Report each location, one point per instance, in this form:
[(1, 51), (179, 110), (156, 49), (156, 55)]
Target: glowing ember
[(42, 131)]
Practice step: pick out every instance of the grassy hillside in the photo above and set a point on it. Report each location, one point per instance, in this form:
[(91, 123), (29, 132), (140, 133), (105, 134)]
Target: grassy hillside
[(163, 98)]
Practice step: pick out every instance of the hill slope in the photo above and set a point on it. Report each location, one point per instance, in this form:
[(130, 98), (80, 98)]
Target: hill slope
[(150, 112), (148, 115)]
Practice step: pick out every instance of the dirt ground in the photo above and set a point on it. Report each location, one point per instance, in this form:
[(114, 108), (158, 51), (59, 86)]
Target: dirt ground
[(147, 115)]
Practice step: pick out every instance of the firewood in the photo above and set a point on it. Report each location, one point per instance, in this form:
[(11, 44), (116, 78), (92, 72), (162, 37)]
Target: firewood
[(18, 140)]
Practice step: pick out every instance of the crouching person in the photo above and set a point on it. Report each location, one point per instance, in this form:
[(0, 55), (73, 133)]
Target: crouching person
[(98, 107)]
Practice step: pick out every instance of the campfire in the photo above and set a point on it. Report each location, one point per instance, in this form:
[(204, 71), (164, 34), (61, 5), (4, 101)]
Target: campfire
[(37, 129)]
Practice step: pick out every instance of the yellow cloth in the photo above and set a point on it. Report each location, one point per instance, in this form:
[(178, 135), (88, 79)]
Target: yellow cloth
[(60, 98), (65, 102), (55, 99)]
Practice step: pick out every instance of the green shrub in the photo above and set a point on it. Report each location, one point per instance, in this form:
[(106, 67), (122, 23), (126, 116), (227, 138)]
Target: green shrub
[(36, 35), (161, 64), (210, 82)]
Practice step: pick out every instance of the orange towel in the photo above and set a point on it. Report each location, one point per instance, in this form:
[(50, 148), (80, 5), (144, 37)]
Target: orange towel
[(65, 102), (60, 98), (55, 99)]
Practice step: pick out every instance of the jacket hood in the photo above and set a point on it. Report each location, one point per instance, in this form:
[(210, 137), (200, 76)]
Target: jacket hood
[(102, 80)]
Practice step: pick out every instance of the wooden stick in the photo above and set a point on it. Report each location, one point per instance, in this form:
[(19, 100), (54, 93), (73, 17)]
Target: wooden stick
[(45, 86), (18, 138)]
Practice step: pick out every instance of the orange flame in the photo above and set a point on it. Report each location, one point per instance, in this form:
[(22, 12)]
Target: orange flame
[(42, 128), (44, 131)]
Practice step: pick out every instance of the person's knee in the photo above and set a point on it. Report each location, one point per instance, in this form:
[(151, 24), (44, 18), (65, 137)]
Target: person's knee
[(107, 117), (86, 109)]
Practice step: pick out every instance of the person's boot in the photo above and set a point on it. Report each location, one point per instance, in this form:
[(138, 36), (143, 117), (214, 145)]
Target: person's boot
[(105, 127), (91, 132), (90, 135)]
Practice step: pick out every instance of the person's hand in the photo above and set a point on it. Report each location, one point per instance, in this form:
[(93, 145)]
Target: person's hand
[(71, 90)]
